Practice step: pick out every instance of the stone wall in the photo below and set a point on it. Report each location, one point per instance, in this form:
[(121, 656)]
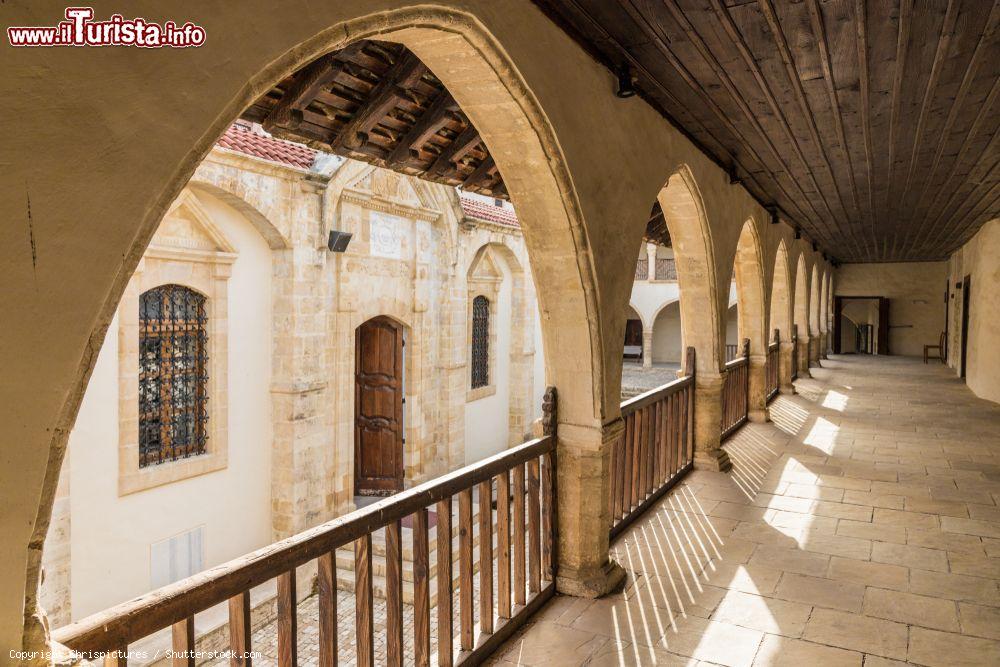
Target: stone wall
[(980, 260), (415, 256), (915, 291)]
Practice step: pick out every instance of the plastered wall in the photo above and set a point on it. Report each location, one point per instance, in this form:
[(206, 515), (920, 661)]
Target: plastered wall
[(916, 293), (980, 260)]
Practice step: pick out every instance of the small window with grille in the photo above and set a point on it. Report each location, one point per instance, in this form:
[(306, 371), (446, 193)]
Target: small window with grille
[(173, 375), (480, 342)]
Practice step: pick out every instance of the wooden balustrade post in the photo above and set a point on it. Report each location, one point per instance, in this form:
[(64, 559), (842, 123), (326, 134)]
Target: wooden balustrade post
[(550, 510), (287, 620), (756, 382), (183, 643), (421, 590), (240, 630), (364, 628), (394, 594), (445, 581), (326, 584)]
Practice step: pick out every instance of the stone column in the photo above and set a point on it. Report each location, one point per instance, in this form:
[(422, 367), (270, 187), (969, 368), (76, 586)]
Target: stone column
[(823, 345), (708, 452), (651, 258), (647, 349), (814, 350), (757, 398), (804, 348), (785, 367), (584, 479)]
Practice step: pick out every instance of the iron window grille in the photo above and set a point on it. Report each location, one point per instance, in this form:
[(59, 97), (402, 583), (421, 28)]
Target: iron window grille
[(480, 342), (173, 375)]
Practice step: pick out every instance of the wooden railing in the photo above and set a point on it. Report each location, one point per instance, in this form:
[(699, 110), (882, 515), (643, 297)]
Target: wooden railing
[(656, 449), (795, 351), (666, 269), (732, 352), (736, 391), (642, 269), (523, 562), (773, 367)]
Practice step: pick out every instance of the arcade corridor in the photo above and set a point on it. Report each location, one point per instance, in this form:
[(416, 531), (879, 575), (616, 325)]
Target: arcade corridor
[(858, 527)]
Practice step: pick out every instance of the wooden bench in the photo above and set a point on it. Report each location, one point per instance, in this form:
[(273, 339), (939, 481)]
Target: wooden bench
[(939, 347)]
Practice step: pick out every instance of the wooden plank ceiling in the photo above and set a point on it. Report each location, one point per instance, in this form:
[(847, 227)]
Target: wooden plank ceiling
[(376, 102), (871, 125)]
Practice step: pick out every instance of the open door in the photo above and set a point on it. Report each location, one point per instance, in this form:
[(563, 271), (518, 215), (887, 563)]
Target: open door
[(378, 408), (966, 286), (883, 325)]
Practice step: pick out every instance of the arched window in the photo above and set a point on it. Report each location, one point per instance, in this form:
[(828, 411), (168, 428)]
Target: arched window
[(173, 364), (480, 342)]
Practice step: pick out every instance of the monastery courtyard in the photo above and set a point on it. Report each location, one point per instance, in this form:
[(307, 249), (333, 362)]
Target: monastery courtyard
[(860, 527)]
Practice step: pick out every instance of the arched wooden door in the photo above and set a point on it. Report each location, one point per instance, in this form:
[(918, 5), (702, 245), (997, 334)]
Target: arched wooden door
[(378, 408)]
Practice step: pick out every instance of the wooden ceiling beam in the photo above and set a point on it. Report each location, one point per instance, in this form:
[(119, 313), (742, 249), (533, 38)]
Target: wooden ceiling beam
[(902, 44), (305, 85), (990, 29), (735, 94), (864, 85), (485, 167), (430, 121), (751, 63), (467, 140), (384, 96), (661, 45), (781, 44), (819, 33), (985, 111)]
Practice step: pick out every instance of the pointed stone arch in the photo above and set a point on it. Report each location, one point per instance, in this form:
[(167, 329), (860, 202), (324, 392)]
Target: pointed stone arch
[(751, 297), (694, 255), (781, 294)]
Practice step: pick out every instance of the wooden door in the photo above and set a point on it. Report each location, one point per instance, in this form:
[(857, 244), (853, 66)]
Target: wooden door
[(838, 312), (966, 300), (883, 325), (378, 408)]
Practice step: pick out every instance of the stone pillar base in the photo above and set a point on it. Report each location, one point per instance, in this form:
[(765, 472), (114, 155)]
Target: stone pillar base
[(715, 459), (608, 579), (759, 416), (787, 390)]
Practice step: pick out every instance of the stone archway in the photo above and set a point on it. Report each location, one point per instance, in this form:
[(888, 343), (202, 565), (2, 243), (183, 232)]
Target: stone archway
[(801, 314), (815, 332), (781, 315), (751, 297), (476, 70), (700, 304)]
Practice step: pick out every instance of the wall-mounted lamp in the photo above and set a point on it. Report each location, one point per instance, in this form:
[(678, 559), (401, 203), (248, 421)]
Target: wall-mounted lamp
[(798, 233), (338, 241), (626, 85), (958, 285), (773, 212)]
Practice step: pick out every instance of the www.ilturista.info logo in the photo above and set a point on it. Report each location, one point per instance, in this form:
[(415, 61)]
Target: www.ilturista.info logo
[(79, 29)]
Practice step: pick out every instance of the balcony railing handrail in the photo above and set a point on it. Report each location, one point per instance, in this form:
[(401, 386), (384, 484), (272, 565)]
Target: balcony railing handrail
[(655, 394), (129, 621)]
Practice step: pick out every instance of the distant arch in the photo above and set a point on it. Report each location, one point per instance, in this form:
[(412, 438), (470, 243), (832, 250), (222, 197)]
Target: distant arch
[(781, 302), (691, 238), (751, 297)]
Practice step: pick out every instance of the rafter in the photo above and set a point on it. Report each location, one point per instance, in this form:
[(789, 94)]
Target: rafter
[(467, 140), (485, 167), (864, 83), (429, 122), (970, 72), (384, 96), (662, 46), (819, 32), (748, 59)]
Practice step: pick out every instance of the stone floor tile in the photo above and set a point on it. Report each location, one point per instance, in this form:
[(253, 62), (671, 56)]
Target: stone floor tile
[(976, 565), (857, 633), (821, 592), (911, 609), (791, 560), (717, 643), (970, 527), (865, 572), (945, 649), (550, 644), (873, 499), (784, 652), (906, 519), (935, 539), (940, 507), (984, 512), (955, 587), (757, 612), (871, 531), (908, 556), (979, 621)]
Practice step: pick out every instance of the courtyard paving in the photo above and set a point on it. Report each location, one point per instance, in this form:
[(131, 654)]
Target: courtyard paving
[(860, 527), (637, 379)]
